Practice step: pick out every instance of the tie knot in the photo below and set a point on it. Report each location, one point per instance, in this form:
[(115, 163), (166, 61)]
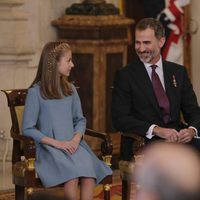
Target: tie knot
[(153, 67)]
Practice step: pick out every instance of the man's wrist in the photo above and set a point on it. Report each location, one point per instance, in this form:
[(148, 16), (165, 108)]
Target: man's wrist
[(193, 131), (156, 130), (149, 133), (77, 137)]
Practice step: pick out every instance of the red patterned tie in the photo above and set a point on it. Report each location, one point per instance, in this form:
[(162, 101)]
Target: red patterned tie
[(161, 96)]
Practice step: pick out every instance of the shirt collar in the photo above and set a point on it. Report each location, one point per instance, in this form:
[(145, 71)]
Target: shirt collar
[(159, 64)]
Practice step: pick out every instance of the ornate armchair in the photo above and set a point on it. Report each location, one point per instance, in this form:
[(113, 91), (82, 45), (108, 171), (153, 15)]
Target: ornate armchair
[(127, 167), (23, 153)]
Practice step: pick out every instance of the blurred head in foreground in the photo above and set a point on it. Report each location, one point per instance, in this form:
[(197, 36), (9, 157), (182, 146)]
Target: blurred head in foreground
[(168, 172)]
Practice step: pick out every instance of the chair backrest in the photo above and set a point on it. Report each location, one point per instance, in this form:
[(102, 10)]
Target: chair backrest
[(16, 100)]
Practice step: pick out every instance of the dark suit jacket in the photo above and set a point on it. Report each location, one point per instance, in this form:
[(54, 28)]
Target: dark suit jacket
[(134, 105)]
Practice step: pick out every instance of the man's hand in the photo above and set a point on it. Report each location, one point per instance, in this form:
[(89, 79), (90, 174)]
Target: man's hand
[(171, 135), (186, 135)]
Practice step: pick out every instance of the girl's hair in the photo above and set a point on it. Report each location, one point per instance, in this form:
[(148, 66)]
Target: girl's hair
[(52, 84)]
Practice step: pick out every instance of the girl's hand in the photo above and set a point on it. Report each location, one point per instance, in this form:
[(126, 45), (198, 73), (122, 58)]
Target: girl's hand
[(69, 146)]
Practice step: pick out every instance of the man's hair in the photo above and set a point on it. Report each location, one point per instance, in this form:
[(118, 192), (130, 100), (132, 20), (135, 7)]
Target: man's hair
[(153, 24)]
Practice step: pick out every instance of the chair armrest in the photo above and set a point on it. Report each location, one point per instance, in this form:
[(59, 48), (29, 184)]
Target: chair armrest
[(21, 138), (27, 143), (106, 145), (97, 134), (134, 136), (139, 141)]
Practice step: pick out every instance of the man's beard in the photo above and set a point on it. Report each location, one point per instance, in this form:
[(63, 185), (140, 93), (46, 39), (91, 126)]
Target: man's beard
[(146, 56)]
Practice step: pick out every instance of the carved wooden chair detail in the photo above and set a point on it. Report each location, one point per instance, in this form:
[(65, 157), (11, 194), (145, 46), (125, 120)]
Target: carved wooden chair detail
[(127, 167)]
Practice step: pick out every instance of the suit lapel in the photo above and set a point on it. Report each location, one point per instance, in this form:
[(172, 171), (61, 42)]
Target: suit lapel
[(169, 87), (143, 81)]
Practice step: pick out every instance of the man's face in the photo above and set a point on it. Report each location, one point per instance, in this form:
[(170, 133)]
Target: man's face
[(147, 46)]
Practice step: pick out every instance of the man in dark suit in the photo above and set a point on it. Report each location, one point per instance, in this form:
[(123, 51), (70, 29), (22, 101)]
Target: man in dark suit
[(136, 105)]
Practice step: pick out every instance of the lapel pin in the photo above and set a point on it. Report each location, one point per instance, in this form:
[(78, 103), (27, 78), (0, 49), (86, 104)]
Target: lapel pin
[(174, 81)]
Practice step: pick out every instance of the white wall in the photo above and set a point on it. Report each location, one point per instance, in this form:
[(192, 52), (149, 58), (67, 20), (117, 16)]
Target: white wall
[(41, 13)]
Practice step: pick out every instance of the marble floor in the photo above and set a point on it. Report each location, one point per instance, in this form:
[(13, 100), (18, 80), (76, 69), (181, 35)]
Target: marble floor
[(6, 178)]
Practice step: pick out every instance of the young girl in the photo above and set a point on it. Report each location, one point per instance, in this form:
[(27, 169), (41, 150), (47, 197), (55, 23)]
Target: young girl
[(53, 118)]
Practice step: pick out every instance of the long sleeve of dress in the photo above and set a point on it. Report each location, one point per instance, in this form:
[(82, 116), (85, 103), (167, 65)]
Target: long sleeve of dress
[(30, 117), (79, 121)]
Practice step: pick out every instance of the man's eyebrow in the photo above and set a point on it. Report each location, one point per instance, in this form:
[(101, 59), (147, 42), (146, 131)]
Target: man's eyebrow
[(145, 41)]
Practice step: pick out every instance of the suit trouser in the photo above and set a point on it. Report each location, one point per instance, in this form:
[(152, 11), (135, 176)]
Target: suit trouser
[(195, 143)]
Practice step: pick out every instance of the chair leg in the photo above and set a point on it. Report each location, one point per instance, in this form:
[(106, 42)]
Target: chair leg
[(19, 192), (126, 190), (106, 189)]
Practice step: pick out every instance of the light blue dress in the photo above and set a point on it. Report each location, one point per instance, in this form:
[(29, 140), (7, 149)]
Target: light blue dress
[(59, 119)]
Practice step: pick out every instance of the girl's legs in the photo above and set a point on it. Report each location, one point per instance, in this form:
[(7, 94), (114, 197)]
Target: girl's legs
[(70, 189), (87, 188)]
